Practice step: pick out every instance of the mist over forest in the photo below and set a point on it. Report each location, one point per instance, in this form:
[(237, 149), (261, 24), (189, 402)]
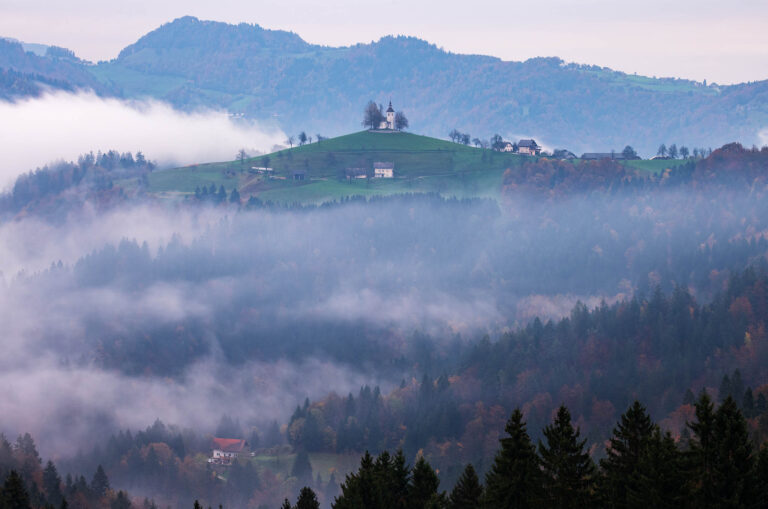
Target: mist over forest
[(184, 312), (380, 319)]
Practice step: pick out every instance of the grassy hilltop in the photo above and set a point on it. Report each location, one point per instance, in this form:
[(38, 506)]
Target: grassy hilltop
[(422, 164)]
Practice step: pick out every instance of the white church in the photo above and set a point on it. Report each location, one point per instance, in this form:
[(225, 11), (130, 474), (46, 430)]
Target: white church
[(389, 123)]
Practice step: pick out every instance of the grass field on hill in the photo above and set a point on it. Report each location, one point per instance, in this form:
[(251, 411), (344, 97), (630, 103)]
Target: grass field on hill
[(422, 165)]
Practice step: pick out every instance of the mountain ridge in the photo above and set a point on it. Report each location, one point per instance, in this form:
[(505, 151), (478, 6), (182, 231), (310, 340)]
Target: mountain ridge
[(276, 76)]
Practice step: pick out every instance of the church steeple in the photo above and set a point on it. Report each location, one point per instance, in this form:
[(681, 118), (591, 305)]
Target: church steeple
[(390, 116)]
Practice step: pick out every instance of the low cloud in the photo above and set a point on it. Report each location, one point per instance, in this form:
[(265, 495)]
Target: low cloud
[(51, 397), (64, 125)]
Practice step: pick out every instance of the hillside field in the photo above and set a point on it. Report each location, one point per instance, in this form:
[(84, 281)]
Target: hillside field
[(422, 165)]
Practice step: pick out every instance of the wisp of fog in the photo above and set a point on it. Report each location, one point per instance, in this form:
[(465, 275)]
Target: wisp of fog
[(63, 125)]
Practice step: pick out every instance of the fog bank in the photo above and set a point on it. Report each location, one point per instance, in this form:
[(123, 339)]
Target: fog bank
[(63, 125)]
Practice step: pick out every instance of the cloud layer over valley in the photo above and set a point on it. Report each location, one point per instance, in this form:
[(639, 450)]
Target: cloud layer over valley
[(63, 125)]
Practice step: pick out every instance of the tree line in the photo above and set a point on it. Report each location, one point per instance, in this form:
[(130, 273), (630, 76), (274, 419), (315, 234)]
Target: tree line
[(714, 464)]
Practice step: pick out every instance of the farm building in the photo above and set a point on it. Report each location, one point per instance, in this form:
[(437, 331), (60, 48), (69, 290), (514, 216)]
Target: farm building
[(226, 450), (299, 175), (383, 170), (528, 147), (356, 173)]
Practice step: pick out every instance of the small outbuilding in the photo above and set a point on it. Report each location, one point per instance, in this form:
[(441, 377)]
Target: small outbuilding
[(299, 175), (384, 170)]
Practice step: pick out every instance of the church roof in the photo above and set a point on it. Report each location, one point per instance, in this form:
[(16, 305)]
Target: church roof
[(390, 110)]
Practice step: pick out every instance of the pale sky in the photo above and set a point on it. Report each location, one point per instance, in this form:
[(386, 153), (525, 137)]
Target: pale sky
[(723, 42)]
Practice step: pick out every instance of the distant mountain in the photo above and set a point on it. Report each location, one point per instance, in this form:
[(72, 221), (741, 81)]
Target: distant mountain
[(26, 73), (275, 75)]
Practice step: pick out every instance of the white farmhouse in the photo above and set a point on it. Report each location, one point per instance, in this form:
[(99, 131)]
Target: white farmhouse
[(383, 170)]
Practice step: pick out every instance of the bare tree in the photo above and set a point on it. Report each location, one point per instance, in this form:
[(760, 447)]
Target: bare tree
[(672, 151), (291, 140), (401, 121), (372, 115), (497, 142), (242, 155), (476, 142), (662, 150)]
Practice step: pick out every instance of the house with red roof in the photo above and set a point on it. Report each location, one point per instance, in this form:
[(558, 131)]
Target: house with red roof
[(225, 450)]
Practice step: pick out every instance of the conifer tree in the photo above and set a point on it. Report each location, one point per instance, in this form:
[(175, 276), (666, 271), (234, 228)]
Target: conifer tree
[(700, 457), (307, 499), (360, 488), (468, 493), (424, 484), (761, 477), (286, 504), (734, 462), (660, 483), (52, 484), (621, 466), (14, 494), (568, 470), (100, 482), (121, 501), (514, 480)]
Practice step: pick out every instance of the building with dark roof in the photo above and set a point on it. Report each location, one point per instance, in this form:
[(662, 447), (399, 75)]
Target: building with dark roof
[(528, 147)]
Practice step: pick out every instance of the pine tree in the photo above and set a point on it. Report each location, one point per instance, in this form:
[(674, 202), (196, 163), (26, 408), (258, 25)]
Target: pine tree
[(198, 506), (307, 499), (700, 457), (424, 484), (14, 494), (761, 478), (52, 484), (568, 470), (621, 466), (100, 482), (121, 501), (734, 462), (514, 480), (286, 504), (660, 483), (468, 493), (360, 488)]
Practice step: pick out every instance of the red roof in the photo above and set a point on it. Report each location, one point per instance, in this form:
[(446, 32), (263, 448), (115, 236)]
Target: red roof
[(229, 444)]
